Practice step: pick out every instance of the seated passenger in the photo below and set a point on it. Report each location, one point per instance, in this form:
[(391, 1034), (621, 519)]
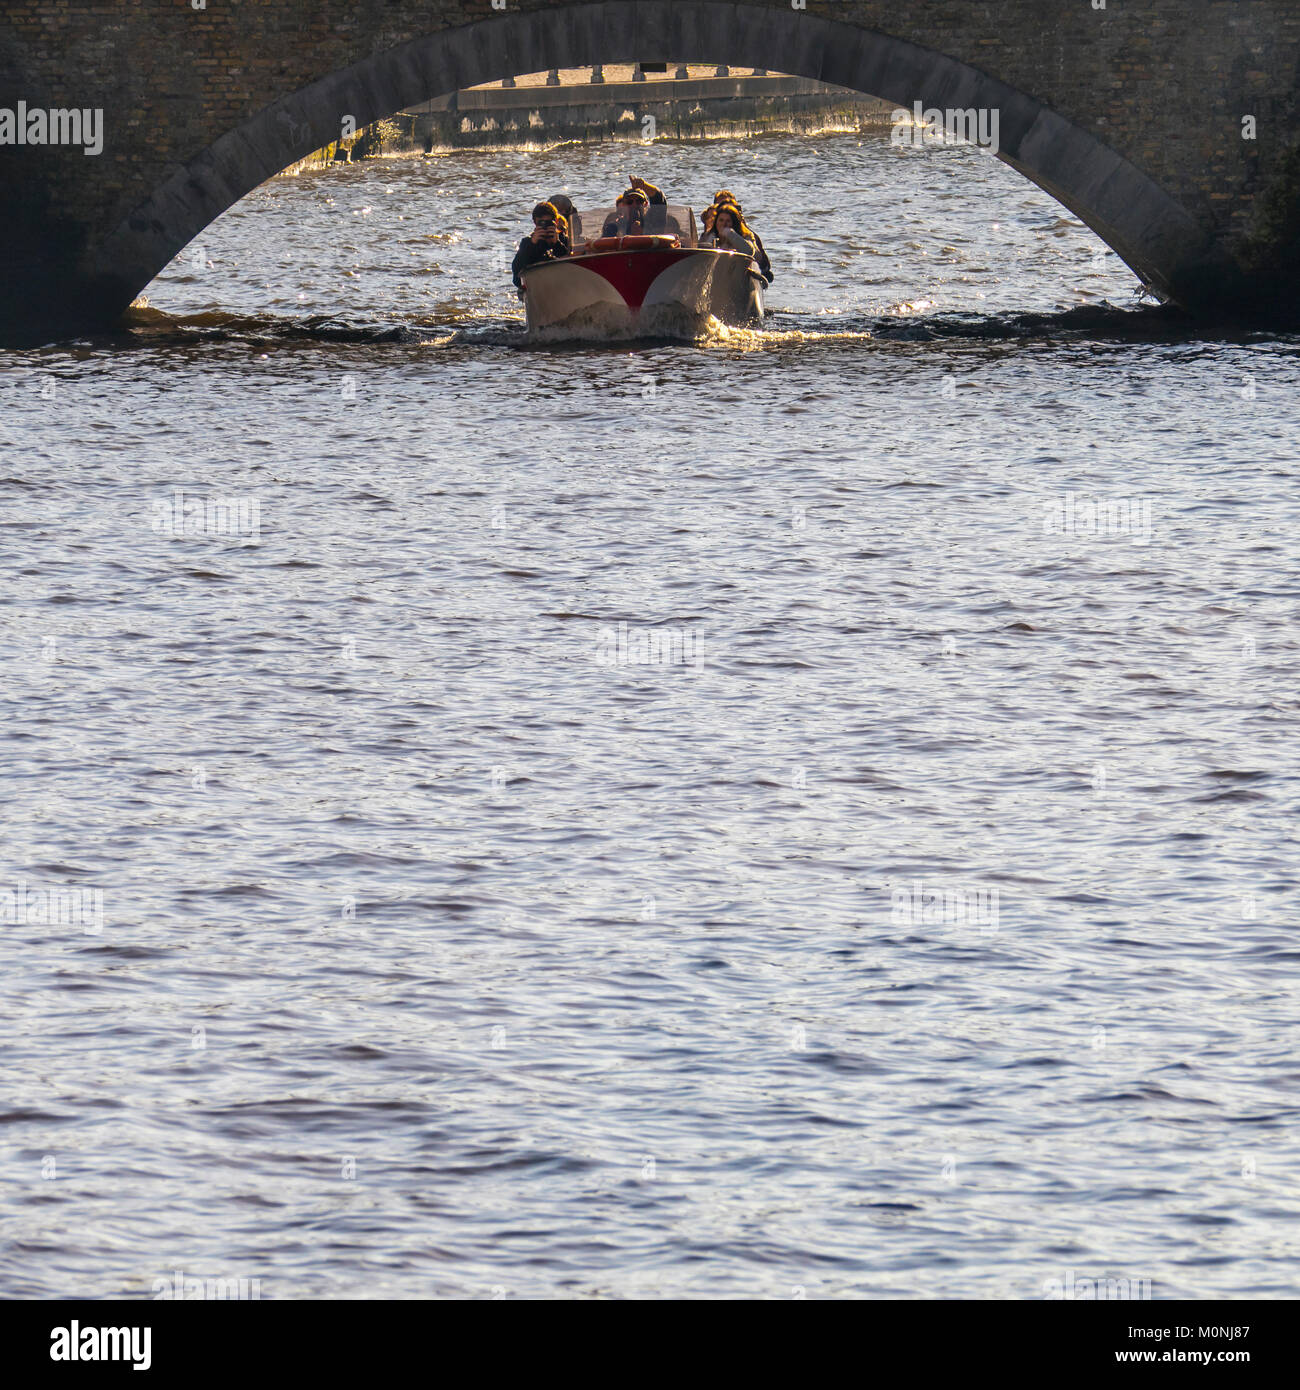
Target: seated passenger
[(729, 232), (641, 211), (760, 256), (546, 242), (628, 217), (724, 196)]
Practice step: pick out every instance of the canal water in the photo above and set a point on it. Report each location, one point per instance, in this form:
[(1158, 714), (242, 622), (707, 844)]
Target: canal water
[(809, 813)]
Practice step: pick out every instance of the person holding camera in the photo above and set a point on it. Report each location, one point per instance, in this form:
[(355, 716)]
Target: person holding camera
[(641, 211), (546, 242)]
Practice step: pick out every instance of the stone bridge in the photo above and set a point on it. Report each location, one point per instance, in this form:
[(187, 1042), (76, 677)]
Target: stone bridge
[(1169, 126)]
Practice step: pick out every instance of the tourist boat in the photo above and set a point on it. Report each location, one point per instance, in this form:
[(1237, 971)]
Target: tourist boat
[(660, 285)]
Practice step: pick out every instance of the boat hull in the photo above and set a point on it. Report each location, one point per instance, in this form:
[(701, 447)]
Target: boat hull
[(652, 293)]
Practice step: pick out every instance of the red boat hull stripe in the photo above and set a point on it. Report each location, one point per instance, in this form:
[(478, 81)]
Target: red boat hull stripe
[(632, 272)]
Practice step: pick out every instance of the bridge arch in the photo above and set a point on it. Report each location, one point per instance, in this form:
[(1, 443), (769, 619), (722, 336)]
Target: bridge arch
[(1153, 233)]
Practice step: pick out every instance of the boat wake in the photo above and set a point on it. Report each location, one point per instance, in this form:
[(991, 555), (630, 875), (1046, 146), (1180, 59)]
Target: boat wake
[(144, 322), (598, 325)]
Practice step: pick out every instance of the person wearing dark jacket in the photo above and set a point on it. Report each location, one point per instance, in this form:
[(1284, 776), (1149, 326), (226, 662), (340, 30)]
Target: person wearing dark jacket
[(760, 256), (546, 242)]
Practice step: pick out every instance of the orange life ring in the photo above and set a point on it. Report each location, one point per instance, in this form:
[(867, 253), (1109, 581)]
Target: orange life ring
[(632, 243)]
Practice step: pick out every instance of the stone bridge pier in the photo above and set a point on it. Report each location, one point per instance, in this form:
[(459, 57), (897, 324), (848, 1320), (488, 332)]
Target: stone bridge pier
[(126, 126)]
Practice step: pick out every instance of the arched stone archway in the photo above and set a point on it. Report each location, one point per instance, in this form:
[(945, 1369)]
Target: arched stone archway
[(1159, 239), (1172, 128)]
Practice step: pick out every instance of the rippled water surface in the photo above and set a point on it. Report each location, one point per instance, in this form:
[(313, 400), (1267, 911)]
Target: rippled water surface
[(447, 951)]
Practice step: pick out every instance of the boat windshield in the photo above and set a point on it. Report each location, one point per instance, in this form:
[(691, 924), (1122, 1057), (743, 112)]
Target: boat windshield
[(660, 220)]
